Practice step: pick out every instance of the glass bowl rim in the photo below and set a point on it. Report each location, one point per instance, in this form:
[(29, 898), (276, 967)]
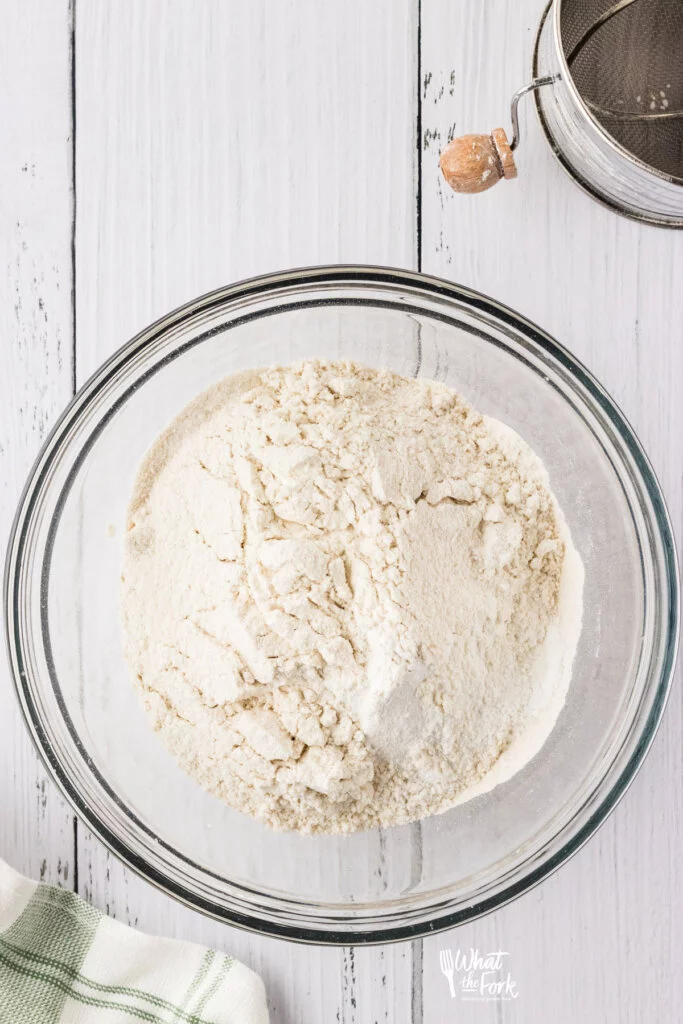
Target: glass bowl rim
[(352, 275)]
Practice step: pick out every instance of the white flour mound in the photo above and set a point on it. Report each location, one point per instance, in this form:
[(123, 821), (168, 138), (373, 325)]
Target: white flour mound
[(349, 600)]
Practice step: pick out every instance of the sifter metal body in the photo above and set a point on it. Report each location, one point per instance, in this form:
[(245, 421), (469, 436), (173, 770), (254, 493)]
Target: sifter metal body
[(613, 117), (608, 83)]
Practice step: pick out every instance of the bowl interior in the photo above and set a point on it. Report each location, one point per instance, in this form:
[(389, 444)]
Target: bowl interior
[(158, 817)]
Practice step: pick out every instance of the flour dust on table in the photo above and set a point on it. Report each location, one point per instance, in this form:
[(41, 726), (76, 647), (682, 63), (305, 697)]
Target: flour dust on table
[(349, 599)]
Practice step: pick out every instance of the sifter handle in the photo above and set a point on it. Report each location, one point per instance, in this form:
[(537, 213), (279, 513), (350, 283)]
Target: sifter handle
[(473, 163)]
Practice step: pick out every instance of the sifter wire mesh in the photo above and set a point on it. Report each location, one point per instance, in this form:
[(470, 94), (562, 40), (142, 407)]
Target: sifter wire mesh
[(626, 60)]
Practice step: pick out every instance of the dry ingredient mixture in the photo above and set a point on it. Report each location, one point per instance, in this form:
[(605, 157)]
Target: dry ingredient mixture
[(349, 599)]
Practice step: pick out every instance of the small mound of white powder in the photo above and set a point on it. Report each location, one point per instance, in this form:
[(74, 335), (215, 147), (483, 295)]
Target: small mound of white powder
[(349, 600)]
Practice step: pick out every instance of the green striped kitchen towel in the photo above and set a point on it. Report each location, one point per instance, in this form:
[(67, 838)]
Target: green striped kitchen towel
[(63, 962)]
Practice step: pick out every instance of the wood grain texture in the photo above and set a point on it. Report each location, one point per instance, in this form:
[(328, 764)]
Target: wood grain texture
[(601, 940), (221, 140), (216, 141), (36, 827)]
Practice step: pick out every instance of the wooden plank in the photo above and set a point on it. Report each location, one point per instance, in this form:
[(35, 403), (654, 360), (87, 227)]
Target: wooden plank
[(37, 835), (217, 141), (599, 940)]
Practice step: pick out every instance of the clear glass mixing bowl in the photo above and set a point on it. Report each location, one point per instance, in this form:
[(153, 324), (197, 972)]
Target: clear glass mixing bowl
[(62, 580)]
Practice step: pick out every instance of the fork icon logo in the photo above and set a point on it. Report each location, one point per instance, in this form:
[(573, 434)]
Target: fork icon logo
[(478, 976), (446, 961)]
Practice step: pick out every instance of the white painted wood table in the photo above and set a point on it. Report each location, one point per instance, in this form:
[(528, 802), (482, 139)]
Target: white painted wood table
[(150, 151)]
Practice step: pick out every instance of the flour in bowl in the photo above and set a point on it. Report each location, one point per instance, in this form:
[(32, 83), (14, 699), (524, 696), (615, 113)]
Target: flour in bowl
[(349, 600)]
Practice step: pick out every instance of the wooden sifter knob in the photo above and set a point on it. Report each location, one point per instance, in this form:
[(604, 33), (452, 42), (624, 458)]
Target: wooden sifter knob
[(474, 163)]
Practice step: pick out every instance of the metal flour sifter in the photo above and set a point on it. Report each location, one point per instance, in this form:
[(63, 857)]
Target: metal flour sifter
[(608, 84)]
